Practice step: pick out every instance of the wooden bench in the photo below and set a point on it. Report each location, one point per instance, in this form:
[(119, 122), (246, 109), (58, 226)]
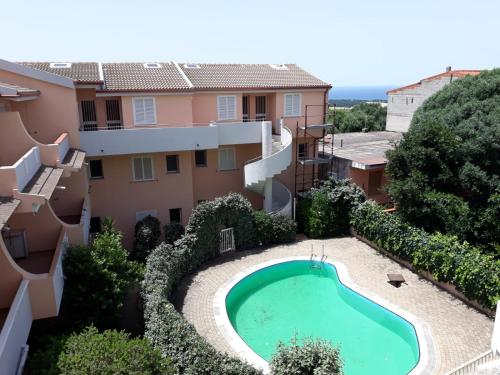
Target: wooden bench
[(396, 279)]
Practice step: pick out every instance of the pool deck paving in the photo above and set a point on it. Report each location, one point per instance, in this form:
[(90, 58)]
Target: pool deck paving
[(459, 332)]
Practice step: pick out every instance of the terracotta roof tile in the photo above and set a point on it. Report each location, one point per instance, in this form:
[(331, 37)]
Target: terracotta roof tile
[(82, 72), (136, 77), (7, 89), (454, 73), (226, 76)]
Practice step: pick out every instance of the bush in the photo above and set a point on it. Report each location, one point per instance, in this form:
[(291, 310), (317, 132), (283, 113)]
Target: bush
[(146, 237), (329, 207), (43, 361), (313, 357), (97, 279), (173, 232), (110, 352), (274, 229), (165, 327), (475, 274)]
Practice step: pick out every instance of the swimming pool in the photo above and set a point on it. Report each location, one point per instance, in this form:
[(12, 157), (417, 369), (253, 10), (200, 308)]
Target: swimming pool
[(299, 298)]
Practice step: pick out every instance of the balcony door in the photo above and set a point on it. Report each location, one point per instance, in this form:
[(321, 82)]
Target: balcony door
[(246, 108), (260, 108), (89, 117), (113, 114), (15, 241)]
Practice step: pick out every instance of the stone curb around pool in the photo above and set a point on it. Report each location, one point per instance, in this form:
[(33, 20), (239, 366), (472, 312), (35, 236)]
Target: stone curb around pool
[(427, 359)]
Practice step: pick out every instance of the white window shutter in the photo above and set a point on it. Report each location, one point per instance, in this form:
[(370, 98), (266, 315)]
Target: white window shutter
[(138, 175), (139, 111), (226, 159), (149, 110), (226, 107), (147, 165), (231, 107)]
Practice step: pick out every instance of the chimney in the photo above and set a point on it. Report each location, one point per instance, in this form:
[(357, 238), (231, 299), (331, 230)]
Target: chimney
[(448, 69)]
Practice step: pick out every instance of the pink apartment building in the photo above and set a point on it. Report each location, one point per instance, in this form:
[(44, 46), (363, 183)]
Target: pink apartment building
[(132, 139)]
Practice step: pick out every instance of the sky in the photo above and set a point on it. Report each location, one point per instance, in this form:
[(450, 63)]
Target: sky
[(346, 43)]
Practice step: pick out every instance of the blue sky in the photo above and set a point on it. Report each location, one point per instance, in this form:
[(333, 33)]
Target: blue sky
[(347, 43)]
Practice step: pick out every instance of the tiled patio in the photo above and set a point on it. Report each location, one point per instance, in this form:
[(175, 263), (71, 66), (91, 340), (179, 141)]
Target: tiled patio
[(459, 332)]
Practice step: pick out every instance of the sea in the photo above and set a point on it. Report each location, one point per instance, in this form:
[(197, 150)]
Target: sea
[(360, 93)]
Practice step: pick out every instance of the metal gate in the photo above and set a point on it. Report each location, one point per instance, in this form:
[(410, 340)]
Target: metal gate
[(226, 240)]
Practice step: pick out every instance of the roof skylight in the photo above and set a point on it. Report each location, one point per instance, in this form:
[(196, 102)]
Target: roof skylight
[(152, 65), (192, 66), (60, 65), (279, 66)]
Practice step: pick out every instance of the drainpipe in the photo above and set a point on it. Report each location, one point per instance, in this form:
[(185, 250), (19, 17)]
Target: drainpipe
[(267, 150)]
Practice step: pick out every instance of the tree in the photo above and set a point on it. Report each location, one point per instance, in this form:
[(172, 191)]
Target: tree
[(444, 172), (97, 279), (364, 116)]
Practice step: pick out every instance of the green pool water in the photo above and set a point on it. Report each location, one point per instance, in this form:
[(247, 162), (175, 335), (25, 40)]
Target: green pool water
[(293, 299)]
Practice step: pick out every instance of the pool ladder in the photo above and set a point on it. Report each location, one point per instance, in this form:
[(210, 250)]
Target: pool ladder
[(314, 263)]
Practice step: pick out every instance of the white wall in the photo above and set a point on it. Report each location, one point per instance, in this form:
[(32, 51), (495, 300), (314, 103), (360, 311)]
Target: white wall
[(15, 330), (402, 105)]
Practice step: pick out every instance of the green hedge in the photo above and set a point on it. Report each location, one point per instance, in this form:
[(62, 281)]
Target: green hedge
[(325, 211), (475, 274), (166, 329), (274, 229), (173, 231), (147, 234)]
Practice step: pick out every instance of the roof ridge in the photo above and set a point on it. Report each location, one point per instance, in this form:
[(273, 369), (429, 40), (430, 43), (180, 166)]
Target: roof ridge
[(184, 76)]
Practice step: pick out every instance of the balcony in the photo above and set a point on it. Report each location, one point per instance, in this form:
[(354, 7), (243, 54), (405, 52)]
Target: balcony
[(15, 325), (34, 248), (19, 174), (168, 138)]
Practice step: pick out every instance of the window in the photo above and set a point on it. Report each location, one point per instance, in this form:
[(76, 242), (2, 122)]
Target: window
[(175, 215), (95, 224), (292, 105), (226, 107), (60, 65), (143, 214), (144, 111), (152, 65), (200, 157), (95, 168), (303, 150), (227, 160), (3, 107), (172, 163), (142, 168)]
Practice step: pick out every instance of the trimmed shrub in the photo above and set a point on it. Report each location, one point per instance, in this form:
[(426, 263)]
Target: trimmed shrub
[(475, 274), (97, 279), (274, 229), (166, 329), (110, 352), (146, 237), (313, 357), (173, 232), (328, 210)]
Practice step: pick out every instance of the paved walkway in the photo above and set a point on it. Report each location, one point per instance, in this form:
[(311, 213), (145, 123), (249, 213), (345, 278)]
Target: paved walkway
[(459, 332)]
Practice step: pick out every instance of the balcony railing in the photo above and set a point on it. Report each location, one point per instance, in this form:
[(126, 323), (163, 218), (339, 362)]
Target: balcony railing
[(165, 138), (18, 175), (15, 330)]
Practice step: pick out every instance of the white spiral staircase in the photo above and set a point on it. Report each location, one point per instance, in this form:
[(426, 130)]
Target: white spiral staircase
[(259, 172)]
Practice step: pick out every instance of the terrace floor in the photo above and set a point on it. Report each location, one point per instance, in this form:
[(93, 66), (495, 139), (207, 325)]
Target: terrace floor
[(459, 332)]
